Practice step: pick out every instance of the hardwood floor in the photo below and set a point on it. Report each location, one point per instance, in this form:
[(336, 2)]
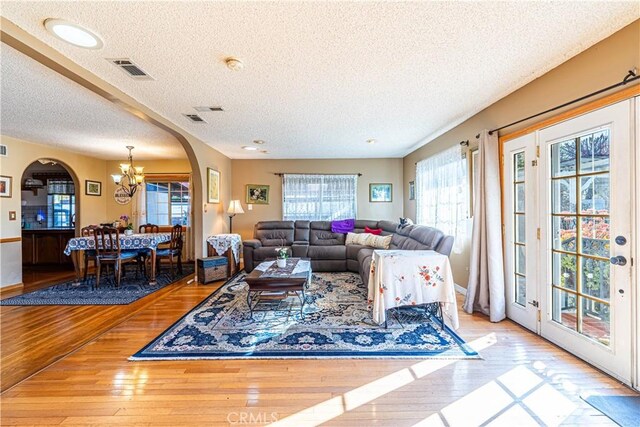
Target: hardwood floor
[(522, 379)]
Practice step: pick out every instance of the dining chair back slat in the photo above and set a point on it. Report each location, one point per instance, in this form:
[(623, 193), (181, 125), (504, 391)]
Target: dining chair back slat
[(148, 228), (107, 242)]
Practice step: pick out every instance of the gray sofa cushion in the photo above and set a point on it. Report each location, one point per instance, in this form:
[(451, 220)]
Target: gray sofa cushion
[(428, 236), (302, 230), (362, 223), (264, 253), (352, 251), (275, 233), (327, 252), (320, 234)]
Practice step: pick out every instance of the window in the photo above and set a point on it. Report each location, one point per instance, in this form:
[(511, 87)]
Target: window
[(168, 203), (319, 197), (441, 193), (61, 203)]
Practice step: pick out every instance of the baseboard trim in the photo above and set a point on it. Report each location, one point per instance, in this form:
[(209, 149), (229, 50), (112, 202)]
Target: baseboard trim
[(11, 288), (459, 289)]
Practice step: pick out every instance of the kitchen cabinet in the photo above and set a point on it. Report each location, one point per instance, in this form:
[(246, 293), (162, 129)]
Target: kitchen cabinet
[(45, 246)]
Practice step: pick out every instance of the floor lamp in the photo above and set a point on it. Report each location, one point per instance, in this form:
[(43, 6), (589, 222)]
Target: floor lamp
[(234, 208)]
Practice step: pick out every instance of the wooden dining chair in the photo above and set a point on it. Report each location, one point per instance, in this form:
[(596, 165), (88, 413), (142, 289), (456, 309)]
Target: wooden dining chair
[(145, 253), (89, 254), (174, 251), (108, 252)]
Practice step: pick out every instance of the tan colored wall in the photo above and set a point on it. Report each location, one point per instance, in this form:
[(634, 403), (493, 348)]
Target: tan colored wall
[(20, 155), (114, 210), (262, 172), (599, 66)]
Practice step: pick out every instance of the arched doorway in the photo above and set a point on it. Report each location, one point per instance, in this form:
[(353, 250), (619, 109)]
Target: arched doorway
[(49, 218)]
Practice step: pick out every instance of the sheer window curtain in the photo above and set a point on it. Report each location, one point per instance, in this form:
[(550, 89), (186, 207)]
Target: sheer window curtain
[(139, 207), (319, 197), (485, 290), (442, 195)]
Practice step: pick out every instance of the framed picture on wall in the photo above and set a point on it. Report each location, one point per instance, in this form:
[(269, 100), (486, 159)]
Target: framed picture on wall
[(213, 186), (6, 182), (412, 190), (257, 194), (380, 192), (92, 188)]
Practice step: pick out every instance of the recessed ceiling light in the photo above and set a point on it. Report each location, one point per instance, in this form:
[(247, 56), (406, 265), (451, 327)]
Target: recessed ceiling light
[(371, 141), (258, 141), (234, 64), (248, 148), (73, 33)]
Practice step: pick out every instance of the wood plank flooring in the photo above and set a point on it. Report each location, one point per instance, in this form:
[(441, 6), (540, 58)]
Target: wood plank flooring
[(522, 379)]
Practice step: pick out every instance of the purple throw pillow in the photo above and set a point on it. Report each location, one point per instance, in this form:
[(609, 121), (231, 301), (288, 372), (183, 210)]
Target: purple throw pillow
[(343, 225)]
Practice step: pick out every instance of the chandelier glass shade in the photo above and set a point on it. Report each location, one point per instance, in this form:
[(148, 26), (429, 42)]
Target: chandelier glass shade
[(130, 177)]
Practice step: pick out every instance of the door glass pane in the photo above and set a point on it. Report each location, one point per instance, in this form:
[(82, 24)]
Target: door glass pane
[(519, 197), (564, 270), (595, 278), (564, 308), (521, 290), (518, 166), (563, 195), (520, 260), (595, 320), (595, 236), (594, 152), (520, 228), (563, 158), (594, 193), (564, 233), (584, 272)]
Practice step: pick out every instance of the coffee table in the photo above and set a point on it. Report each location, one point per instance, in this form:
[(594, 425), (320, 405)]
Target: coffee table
[(268, 282)]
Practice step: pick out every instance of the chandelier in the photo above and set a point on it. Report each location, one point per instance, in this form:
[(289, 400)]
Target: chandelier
[(131, 177)]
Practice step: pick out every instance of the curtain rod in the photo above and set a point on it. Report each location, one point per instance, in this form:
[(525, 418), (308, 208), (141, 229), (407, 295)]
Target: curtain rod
[(631, 76), (293, 173)]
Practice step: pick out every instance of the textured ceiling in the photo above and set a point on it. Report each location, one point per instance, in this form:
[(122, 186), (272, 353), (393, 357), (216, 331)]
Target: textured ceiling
[(320, 78), (42, 106)]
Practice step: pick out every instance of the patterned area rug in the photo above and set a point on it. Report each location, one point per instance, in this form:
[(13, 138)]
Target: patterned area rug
[(336, 323), (85, 293)]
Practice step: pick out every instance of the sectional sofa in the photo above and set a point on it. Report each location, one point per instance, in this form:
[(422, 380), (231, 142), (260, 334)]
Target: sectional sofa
[(327, 250)]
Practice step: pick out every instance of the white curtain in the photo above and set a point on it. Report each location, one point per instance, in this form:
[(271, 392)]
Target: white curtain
[(139, 207), (485, 290), (442, 195), (319, 197)]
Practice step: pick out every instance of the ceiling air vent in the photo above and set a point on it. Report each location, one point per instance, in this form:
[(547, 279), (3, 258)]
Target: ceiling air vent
[(206, 109), (3, 150), (194, 118), (132, 70)]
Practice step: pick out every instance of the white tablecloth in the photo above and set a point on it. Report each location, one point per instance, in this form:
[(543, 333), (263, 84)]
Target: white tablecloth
[(223, 242), (400, 278)]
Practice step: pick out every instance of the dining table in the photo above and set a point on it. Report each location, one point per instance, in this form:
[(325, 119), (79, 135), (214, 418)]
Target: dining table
[(127, 243), (411, 278)]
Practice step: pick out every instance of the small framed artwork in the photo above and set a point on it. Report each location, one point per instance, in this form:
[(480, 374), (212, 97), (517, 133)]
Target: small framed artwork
[(380, 192), (412, 190), (6, 183), (92, 188), (213, 186), (257, 194)]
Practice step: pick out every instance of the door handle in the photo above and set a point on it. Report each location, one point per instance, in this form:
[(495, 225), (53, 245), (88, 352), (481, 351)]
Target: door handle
[(618, 260)]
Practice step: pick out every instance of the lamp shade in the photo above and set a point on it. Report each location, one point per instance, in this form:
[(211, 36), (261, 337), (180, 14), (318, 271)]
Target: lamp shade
[(235, 207)]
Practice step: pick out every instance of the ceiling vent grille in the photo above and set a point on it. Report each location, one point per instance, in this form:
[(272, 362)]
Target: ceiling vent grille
[(194, 118), (206, 109), (131, 69), (3, 150)]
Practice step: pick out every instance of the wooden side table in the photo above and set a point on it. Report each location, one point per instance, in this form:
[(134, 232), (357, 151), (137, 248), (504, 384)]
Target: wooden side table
[(229, 245)]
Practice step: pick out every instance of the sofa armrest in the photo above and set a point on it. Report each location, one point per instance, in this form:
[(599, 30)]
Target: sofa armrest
[(301, 243), (252, 243)]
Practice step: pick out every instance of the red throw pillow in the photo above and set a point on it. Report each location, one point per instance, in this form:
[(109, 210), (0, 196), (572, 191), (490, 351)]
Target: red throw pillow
[(376, 231)]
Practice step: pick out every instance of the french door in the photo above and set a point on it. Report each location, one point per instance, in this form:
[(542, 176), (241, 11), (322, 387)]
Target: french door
[(576, 198), (520, 219)]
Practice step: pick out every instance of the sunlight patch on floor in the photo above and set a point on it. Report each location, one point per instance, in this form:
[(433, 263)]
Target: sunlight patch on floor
[(336, 406), (478, 406)]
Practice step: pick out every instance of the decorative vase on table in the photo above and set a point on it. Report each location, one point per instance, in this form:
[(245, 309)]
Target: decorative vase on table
[(283, 254), (128, 232)]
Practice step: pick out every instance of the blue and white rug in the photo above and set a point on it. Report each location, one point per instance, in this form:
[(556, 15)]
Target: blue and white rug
[(85, 293), (336, 323)]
